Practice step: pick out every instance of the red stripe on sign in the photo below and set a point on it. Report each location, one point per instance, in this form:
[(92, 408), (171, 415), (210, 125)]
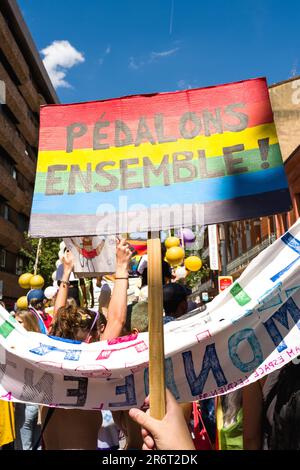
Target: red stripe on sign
[(209, 120), (132, 107)]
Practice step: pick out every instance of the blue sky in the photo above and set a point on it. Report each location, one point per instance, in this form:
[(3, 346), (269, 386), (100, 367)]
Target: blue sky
[(96, 49)]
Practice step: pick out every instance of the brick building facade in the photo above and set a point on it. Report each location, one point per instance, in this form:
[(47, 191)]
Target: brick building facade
[(244, 239), (25, 86)]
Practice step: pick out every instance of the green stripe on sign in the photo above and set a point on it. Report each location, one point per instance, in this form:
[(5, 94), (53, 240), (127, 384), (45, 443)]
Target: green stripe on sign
[(240, 295), (249, 159), (5, 329)]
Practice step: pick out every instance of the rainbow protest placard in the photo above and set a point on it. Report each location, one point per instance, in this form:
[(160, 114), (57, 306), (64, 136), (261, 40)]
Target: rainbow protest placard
[(150, 162)]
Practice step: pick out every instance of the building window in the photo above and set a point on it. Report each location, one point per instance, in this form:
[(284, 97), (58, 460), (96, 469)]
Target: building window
[(248, 235), (5, 211), (6, 160), (2, 258), (231, 242), (29, 152), (239, 240), (19, 265), (257, 230), (9, 115), (23, 223)]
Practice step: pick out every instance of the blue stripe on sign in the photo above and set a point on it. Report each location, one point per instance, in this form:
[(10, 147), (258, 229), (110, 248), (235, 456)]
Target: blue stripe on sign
[(195, 192), (294, 244), (284, 270), (291, 242)]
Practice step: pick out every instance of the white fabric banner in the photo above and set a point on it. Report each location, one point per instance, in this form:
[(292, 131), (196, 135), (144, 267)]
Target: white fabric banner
[(247, 332)]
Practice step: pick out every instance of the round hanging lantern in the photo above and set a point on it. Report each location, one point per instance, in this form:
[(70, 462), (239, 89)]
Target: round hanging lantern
[(50, 292), (22, 303), (37, 282), (175, 255), (188, 235), (193, 263), (24, 280), (172, 241)]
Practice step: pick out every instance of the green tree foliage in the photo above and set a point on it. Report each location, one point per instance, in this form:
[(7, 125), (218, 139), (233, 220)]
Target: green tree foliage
[(47, 259), (194, 279)]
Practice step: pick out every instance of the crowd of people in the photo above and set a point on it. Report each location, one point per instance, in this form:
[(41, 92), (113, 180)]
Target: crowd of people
[(255, 417)]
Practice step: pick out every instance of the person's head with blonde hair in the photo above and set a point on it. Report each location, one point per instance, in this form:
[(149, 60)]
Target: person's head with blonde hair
[(28, 320)]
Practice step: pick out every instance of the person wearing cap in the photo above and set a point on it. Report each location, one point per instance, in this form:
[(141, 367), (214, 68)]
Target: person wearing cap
[(175, 299), (36, 305)]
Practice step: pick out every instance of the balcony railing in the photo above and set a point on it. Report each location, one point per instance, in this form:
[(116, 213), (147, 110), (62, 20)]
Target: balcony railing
[(244, 259)]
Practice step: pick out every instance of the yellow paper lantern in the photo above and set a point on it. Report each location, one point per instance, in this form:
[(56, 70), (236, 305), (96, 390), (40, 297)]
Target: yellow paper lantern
[(193, 263), (22, 303), (172, 241), (175, 255), (24, 280), (37, 282)]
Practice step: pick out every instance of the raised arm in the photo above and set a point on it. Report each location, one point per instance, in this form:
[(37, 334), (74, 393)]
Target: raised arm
[(117, 309), (62, 295)]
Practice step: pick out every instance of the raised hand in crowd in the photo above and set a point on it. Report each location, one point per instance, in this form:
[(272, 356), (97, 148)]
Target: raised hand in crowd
[(123, 255), (117, 309), (62, 295), (171, 433)]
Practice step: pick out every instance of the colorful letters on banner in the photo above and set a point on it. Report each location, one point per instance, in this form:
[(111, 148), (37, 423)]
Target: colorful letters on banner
[(248, 331), (151, 162)]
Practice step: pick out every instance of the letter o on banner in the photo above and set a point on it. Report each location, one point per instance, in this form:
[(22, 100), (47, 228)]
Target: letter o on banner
[(233, 344)]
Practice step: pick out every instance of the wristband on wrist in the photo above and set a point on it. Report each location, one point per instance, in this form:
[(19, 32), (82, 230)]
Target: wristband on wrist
[(65, 283), (121, 278)]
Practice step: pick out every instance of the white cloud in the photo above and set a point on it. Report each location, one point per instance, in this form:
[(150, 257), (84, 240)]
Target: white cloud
[(134, 64), (58, 58), (108, 50), (160, 55), (137, 64)]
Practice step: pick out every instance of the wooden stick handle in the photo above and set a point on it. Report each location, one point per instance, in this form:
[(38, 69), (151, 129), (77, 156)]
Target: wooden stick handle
[(38, 252), (156, 336)]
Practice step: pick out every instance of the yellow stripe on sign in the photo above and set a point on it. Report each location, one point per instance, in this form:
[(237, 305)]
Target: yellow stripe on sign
[(213, 146)]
